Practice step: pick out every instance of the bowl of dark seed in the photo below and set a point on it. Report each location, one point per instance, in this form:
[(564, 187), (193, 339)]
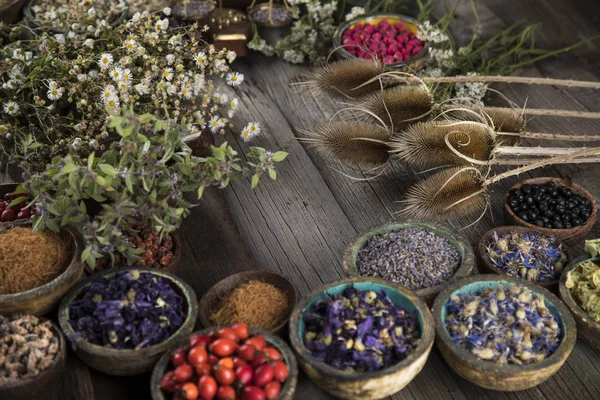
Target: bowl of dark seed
[(524, 253), (553, 206), (423, 257), (503, 333), (268, 15)]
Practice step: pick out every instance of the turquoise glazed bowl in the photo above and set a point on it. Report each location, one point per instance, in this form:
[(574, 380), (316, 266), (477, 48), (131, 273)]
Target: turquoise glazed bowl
[(486, 373), (367, 385)]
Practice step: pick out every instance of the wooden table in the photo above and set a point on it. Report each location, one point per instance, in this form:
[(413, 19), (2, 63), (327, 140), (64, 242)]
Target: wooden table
[(300, 225)]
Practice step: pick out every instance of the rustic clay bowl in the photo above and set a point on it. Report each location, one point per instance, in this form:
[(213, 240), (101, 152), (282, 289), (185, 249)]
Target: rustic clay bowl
[(43, 299), (457, 240), (565, 235), (35, 386), (487, 267), (210, 300), (415, 63), (367, 385), (127, 362), (485, 373), (287, 389), (588, 329)]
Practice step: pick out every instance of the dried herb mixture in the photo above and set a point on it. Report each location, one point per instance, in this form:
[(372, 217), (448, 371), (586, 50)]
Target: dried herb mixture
[(584, 284), (360, 330), (506, 325), (531, 256), (154, 252), (415, 258), (27, 347)]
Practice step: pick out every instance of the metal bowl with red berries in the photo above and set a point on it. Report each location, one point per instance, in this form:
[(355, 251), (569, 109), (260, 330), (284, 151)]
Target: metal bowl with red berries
[(226, 363), (14, 204), (392, 39)]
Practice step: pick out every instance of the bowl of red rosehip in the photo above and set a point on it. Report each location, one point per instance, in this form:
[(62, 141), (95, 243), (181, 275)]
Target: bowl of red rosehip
[(227, 363), (391, 39), (14, 204), (553, 206)]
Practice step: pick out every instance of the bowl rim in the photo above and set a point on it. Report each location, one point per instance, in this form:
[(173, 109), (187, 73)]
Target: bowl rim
[(580, 190), (163, 363), (339, 31), (81, 344), (565, 347), (485, 238), (454, 237), (59, 358), (205, 306), (565, 293), (424, 346), (74, 267)]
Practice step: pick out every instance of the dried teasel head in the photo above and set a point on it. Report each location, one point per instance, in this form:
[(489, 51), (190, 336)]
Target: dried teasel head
[(453, 192), (399, 106), (441, 143), (354, 143), (508, 119), (345, 78)]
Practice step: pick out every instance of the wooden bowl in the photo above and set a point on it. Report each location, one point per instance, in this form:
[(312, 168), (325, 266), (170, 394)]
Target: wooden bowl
[(415, 63), (127, 362), (455, 239), (43, 299), (287, 389), (588, 329), (35, 387), (210, 300), (367, 385), (487, 267), (486, 373), (564, 235)]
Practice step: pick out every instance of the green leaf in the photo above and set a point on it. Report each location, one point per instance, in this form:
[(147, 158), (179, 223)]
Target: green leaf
[(200, 191), (279, 156), (272, 173), (107, 169), (16, 201), (218, 153), (129, 183), (68, 168), (101, 181), (146, 118), (255, 179), (86, 254), (90, 161)]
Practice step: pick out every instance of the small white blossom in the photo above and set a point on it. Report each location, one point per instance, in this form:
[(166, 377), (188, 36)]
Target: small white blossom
[(60, 38), (167, 73), (89, 43), (231, 56), (246, 135), (185, 92), (142, 89), (116, 73), (162, 25), (130, 45), (170, 58), (82, 77), (234, 104), (234, 78), (54, 91), (16, 75), (113, 102), (201, 59), (108, 92), (167, 11), (93, 73), (254, 128), (105, 60), (215, 124), (11, 108), (355, 12)]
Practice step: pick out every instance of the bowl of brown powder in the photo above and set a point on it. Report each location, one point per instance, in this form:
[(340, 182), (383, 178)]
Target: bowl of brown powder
[(259, 298)]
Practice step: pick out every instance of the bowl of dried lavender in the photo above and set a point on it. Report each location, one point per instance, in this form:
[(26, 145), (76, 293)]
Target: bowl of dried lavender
[(421, 256), (524, 253), (121, 321), (580, 291), (503, 333), (362, 338)]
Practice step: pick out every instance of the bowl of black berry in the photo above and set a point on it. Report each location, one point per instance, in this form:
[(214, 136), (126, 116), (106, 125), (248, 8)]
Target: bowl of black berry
[(553, 206)]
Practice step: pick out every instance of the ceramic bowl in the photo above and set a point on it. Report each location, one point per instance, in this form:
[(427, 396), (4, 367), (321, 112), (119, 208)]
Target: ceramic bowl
[(43, 299), (455, 239), (127, 362), (367, 385), (274, 7), (588, 329), (487, 267), (287, 389), (414, 63), (565, 235), (10, 11), (210, 300), (35, 386), (486, 373)]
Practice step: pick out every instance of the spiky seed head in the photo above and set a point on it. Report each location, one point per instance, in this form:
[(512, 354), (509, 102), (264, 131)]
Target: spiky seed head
[(424, 144), (342, 78), (506, 120), (399, 106), (453, 192), (354, 143)]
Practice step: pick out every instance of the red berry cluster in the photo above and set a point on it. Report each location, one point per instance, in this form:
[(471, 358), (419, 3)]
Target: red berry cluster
[(390, 43), (225, 365), (16, 211)]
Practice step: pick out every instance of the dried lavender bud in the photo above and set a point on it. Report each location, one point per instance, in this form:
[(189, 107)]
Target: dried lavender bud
[(359, 330), (129, 310), (27, 347), (265, 16), (584, 284), (506, 325), (531, 256), (413, 257)]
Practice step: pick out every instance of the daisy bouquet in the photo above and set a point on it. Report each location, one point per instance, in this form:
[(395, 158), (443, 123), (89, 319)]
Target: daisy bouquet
[(56, 87)]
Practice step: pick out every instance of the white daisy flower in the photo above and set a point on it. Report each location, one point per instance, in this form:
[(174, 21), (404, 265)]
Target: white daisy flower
[(192, 129), (185, 92), (223, 121), (142, 89), (89, 43), (170, 58), (105, 60), (167, 73), (201, 59), (253, 128), (129, 45), (9, 85), (230, 114), (223, 99), (162, 25), (108, 92), (113, 102), (17, 75), (126, 75), (82, 77), (234, 78), (215, 124), (54, 92), (60, 38), (161, 85), (11, 108), (171, 89), (199, 82), (71, 34), (246, 135), (124, 85), (221, 65), (136, 17), (231, 56), (167, 11), (116, 73), (233, 104), (3, 130)]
